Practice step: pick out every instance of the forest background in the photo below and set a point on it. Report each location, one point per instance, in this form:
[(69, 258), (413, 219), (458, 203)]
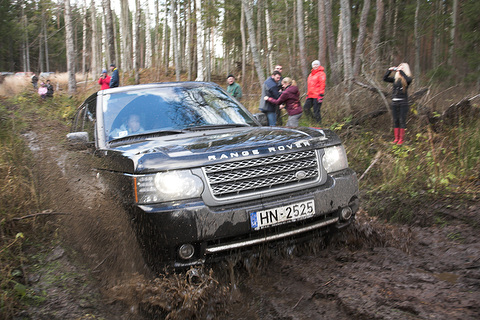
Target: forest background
[(355, 40)]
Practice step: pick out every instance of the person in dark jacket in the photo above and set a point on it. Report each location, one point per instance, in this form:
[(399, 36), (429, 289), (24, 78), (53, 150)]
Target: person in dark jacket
[(49, 90), (291, 98), (35, 81), (115, 79), (270, 89), (401, 80)]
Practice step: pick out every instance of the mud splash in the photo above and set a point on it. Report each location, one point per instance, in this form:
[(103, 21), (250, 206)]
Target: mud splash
[(194, 294)]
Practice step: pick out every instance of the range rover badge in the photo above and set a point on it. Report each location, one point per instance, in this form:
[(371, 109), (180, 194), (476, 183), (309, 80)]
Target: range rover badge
[(300, 175)]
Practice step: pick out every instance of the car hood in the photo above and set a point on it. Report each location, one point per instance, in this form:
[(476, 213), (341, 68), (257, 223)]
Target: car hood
[(199, 148)]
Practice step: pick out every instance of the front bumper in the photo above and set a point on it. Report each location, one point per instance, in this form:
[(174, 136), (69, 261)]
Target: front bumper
[(163, 228)]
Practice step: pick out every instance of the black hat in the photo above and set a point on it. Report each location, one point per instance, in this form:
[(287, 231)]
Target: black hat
[(112, 65), (231, 75)]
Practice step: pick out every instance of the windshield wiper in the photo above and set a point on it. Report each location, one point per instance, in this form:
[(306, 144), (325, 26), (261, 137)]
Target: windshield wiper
[(217, 126), (140, 136)]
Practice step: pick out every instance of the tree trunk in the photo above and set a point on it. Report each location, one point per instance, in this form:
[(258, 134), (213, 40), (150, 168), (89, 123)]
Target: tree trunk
[(72, 84), (94, 66), (453, 28), (347, 48), (268, 27), (362, 31), (137, 41), (165, 45), (148, 41), (244, 44), (332, 54), (377, 27), (176, 51), (322, 35), (85, 69), (200, 42), (45, 38), (253, 43), (347, 42), (188, 42), (301, 39), (110, 39), (417, 39), (126, 36)]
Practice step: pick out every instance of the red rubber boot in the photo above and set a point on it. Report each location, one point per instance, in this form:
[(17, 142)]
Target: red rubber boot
[(396, 131), (401, 136)]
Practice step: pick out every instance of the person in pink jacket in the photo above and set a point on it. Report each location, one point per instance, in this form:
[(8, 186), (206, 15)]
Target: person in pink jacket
[(316, 91), (104, 80)]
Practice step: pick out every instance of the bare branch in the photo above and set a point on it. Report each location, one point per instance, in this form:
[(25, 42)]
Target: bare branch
[(38, 214)]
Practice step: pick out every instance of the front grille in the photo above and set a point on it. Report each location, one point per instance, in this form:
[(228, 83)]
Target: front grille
[(262, 174)]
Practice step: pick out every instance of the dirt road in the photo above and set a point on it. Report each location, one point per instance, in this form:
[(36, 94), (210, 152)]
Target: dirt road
[(371, 271)]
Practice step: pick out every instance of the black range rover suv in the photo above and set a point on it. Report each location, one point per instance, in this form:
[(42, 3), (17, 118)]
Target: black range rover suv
[(200, 176)]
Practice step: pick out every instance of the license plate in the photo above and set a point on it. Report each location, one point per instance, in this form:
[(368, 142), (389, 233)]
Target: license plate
[(279, 215)]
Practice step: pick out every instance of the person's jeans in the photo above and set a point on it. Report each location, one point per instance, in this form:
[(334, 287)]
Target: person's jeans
[(399, 113), (293, 120), (272, 118)]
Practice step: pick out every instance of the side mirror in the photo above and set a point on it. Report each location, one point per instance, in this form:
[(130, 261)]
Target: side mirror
[(78, 140), (262, 118)]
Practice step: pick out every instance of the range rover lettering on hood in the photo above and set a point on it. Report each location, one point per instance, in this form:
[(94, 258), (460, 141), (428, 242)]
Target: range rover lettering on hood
[(291, 146)]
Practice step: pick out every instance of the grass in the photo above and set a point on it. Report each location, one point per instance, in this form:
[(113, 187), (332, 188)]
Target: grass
[(19, 195)]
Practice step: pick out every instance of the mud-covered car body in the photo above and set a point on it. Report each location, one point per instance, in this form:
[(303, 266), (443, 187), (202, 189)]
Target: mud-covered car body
[(204, 178)]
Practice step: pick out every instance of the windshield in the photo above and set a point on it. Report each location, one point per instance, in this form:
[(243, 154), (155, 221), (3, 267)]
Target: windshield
[(170, 109)]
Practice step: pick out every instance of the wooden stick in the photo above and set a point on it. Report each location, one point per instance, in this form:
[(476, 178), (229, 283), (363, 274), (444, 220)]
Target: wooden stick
[(39, 214)]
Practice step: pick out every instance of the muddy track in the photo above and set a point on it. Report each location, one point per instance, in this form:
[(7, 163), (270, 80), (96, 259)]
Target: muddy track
[(371, 271)]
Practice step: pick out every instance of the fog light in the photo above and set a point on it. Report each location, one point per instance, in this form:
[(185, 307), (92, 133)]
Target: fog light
[(346, 213), (186, 251)]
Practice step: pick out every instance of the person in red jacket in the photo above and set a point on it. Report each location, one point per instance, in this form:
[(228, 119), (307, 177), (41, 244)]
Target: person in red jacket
[(291, 98), (104, 80), (316, 91)]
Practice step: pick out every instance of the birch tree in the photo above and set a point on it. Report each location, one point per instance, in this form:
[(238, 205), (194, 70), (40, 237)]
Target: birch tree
[(253, 42), (244, 43), (176, 51), (94, 41), (347, 42), (268, 27), (137, 40), (453, 29), (200, 41), (109, 36), (189, 40), (377, 27), (362, 31), (72, 84), (84, 38), (417, 39), (125, 36), (332, 54), (322, 35), (301, 39)]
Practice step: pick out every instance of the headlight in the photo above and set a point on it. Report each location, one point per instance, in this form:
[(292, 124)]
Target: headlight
[(335, 159), (167, 186)]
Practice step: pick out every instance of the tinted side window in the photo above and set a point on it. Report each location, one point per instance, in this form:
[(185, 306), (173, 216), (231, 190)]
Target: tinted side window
[(85, 119)]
